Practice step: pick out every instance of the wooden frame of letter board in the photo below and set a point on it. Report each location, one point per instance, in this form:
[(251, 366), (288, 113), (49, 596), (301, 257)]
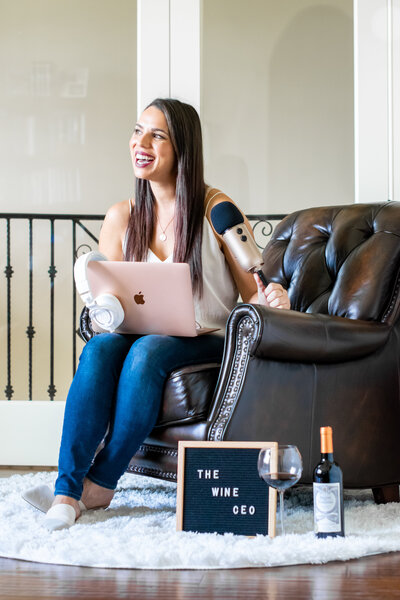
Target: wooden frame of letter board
[(184, 445)]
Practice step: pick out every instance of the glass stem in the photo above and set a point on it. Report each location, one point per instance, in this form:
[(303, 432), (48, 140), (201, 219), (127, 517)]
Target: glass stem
[(282, 511)]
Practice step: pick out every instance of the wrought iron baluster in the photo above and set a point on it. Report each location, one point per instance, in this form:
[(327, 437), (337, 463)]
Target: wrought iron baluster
[(8, 273), (86, 230), (30, 331), (51, 390)]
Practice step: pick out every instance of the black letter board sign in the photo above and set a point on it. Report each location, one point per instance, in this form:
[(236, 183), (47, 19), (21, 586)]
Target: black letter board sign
[(219, 489)]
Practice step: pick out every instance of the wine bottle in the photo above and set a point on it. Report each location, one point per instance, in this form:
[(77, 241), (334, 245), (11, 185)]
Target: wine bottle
[(328, 491)]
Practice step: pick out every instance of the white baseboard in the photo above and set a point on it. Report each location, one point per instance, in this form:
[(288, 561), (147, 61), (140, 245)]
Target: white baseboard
[(30, 432)]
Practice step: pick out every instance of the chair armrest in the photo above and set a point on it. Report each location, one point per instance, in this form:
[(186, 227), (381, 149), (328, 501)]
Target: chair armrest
[(304, 337)]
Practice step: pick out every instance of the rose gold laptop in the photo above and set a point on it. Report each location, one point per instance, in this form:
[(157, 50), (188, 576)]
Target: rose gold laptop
[(156, 297)]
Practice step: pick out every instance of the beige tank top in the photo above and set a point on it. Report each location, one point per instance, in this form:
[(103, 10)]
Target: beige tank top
[(220, 293)]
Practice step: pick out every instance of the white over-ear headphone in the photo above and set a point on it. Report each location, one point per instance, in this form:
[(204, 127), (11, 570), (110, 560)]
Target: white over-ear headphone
[(106, 310)]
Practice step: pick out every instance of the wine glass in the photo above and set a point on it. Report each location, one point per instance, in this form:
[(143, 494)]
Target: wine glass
[(281, 468)]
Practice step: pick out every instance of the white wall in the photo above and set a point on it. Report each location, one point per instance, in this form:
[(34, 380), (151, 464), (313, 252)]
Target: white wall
[(276, 99), (277, 102), (67, 104)]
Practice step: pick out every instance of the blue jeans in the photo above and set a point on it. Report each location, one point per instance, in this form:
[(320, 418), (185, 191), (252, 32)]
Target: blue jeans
[(119, 384)]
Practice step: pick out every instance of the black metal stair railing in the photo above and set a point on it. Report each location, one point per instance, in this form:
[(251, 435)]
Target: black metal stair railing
[(262, 226), (31, 218), (8, 273)]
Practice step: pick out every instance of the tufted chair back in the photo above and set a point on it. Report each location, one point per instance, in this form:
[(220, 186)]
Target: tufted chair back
[(339, 260)]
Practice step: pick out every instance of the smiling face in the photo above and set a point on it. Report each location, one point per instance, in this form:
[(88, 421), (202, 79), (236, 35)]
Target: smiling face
[(152, 152)]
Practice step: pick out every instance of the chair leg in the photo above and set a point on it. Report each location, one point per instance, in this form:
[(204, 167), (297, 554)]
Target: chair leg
[(386, 493)]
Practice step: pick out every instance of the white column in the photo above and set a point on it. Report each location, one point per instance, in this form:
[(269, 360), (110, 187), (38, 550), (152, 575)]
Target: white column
[(376, 95), (168, 50), (185, 50), (153, 51)]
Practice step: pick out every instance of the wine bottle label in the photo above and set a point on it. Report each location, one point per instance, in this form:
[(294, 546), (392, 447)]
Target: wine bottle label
[(327, 515)]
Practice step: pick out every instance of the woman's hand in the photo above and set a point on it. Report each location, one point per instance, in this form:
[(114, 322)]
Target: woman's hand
[(273, 296)]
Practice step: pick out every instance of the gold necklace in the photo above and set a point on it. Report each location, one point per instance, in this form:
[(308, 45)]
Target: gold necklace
[(163, 236)]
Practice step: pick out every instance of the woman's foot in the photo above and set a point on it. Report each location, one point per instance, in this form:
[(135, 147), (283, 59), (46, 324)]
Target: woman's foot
[(70, 501), (63, 513), (66, 510), (96, 496)]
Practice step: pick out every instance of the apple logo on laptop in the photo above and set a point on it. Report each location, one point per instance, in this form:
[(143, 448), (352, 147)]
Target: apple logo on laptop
[(139, 298)]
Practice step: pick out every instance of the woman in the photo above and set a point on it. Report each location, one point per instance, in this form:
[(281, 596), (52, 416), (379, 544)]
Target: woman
[(120, 378)]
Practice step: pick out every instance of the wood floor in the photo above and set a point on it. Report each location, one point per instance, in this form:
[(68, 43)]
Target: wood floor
[(376, 577), (373, 577)]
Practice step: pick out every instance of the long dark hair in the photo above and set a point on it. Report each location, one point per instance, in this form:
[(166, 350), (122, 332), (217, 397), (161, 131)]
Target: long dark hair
[(185, 133)]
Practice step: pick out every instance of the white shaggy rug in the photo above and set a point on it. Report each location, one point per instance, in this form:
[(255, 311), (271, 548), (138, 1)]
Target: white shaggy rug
[(138, 531)]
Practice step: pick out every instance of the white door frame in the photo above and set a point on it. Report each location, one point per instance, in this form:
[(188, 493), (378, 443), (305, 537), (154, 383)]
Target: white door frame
[(376, 100)]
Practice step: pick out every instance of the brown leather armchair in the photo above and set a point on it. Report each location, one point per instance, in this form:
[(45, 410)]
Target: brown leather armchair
[(331, 360)]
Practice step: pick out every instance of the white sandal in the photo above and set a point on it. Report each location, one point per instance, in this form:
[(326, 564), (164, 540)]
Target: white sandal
[(61, 516), (58, 516), (40, 497)]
